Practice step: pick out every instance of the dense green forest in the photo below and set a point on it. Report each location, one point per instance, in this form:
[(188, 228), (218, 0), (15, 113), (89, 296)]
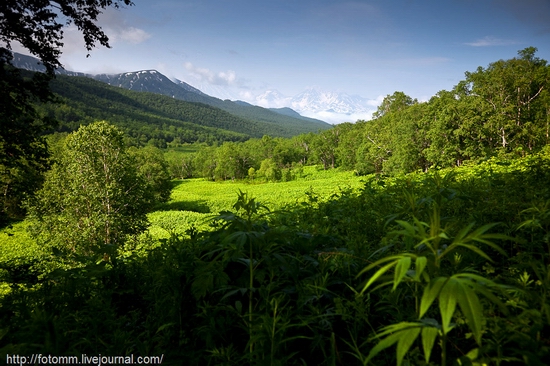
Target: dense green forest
[(441, 258), (146, 116), (501, 109)]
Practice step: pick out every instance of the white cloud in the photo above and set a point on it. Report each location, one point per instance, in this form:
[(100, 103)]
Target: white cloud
[(226, 78), (490, 41), (131, 35), (113, 24)]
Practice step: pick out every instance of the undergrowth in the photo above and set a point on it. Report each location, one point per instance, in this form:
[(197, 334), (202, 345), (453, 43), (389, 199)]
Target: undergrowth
[(445, 267)]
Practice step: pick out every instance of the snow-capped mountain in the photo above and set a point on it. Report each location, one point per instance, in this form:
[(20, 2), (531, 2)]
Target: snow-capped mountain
[(147, 80), (317, 100), (188, 87), (273, 99), (334, 107)]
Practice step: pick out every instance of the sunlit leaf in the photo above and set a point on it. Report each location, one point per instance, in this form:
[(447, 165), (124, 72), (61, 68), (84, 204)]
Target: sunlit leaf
[(382, 345), (482, 285), (405, 342), (404, 333), (447, 303), (401, 269), (378, 274), (420, 264), (429, 335), (431, 291), (470, 307)]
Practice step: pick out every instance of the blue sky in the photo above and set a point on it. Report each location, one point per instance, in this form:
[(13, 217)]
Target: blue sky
[(371, 48)]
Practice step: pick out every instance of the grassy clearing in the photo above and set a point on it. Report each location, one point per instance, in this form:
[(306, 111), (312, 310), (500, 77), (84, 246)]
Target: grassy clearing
[(195, 201)]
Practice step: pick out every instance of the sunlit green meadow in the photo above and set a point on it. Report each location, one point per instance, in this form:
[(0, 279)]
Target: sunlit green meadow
[(195, 201)]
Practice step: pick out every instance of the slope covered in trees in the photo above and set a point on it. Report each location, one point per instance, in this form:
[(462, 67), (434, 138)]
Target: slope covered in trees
[(153, 81), (147, 115)]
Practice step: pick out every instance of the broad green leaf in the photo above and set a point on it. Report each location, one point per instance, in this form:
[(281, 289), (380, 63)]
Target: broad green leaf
[(405, 342), (470, 307), (420, 264), (447, 303), (401, 269), (382, 345), (480, 284), (429, 334), (431, 291), (473, 354), (405, 333)]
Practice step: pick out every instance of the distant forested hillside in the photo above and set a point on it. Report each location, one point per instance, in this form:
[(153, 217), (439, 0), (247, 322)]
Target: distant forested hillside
[(146, 116)]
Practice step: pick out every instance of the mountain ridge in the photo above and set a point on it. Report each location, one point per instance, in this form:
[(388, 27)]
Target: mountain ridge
[(155, 82)]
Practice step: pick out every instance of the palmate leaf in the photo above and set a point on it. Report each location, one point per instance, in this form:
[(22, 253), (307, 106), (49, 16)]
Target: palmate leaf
[(402, 263), (459, 290), (473, 248), (431, 292), (479, 235), (483, 286), (405, 334)]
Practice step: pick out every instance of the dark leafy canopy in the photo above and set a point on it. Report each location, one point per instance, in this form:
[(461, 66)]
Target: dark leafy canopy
[(23, 154), (36, 24)]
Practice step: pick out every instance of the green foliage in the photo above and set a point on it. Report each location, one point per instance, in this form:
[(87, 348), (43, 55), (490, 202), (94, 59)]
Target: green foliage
[(450, 265), (269, 170), (396, 102), (433, 249), (336, 278), (499, 109), (153, 168), (93, 197), (34, 25), (23, 149), (144, 116)]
